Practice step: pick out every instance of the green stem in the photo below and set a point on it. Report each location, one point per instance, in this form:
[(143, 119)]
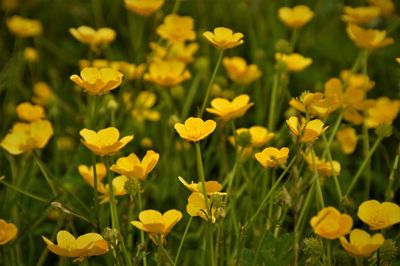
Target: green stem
[(389, 193), (176, 6), (333, 134), (140, 207), (316, 177), (95, 198), (28, 194), (259, 246), (45, 173), (178, 253), (293, 39), (272, 103), (328, 252), (367, 172)]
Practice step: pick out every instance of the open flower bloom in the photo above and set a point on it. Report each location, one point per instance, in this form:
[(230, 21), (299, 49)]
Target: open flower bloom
[(379, 215), (357, 81), (156, 224), (347, 138), (141, 111), (25, 137), (360, 15), (331, 224), (94, 38), (129, 70), (86, 245), (227, 110), (195, 129), (361, 243), (385, 6), (259, 136), (143, 7), (197, 205), (224, 38), (315, 104), (368, 38), (105, 141), (239, 71), (8, 231), (177, 28), (271, 157), (29, 112), (23, 27), (167, 73), (306, 131), (211, 186), (295, 17), (98, 81), (384, 111), (178, 51), (294, 62), (324, 168), (132, 167)]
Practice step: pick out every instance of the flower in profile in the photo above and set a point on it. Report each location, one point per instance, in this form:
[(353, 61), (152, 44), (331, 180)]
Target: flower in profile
[(23, 27), (331, 224), (141, 111), (384, 111), (239, 71), (324, 168), (361, 243), (98, 81), (306, 131), (360, 15), (347, 138), (270, 157), (94, 38), (227, 110), (86, 245), (143, 7), (295, 17), (178, 51), (29, 112), (196, 205), (31, 55), (368, 38), (379, 215), (8, 231), (211, 186), (224, 38), (315, 104), (105, 141), (42, 92), (156, 224), (294, 62), (177, 28), (386, 6), (195, 129), (259, 136), (167, 73)]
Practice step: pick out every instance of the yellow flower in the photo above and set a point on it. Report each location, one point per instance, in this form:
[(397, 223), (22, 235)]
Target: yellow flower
[(379, 215), (315, 104), (324, 168), (386, 6), (360, 15), (348, 139), (384, 111), (105, 141), (167, 73), (86, 245), (98, 81), (294, 62), (271, 157), (331, 224), (8, 231), (157, 224), (176, 51), (145, 100), (368, 38), (239, 72), (306, 131), (23, 27), (143, 7), (132, 167), (43, 93), (177, 29), (259, 136), (361, 243), (357, 80), (130, 71), (29, 112), (197, 206), (227, 110), (195, 129), (398, 60), (31, 54), (295, 17), (224, 38), (94, 38), (211, 186)]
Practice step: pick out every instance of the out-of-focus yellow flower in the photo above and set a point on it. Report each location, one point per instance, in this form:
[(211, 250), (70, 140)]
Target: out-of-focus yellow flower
[(31, 54), (259, 136), (211, 186), (42, 93), (145, 100), (143, 7), (94, 38), (176, 51), (8, 231), (132, 167), (398, 60), (195, 129), (176, 28), (26, 137), (361, 243), (295, 17), (360, 15), (65, 143), (146, 143), (239, 72), (29, 112), (368, 38), (86, 245), (331, 224), (271, 157), (357, 80), (379, 215), (10, 5), (105, 141), (386, 6), (98, 81), (167, 73), (98, 63), (227, 110), (348, 139), (294, 62), (130, 71), (324, 168), (315, 104), (384, 111), (156, 224), (306, 131), (224, 38), (23, 27)]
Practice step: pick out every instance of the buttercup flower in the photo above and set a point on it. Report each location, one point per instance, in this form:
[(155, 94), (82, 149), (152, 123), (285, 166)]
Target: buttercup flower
[(295, 17), (143, 7), (385, 6), (98, 81), (368, 38), (130, 71), (177, 29), (357, 80), (315, 104), (294, 62), (29, 112), (31, 55), (348, 139), (197, 206), (86, 245), (167, 73), (259, 136), (271, 157), (105, 141), (239, 72), (306, 131), (324, 168), (227, 110), (145, 100), (224, 38), (211, 186), (23, 27), (379, 215), (383, 111), (43, 93), (361, 243), (195, 129), (94, 38), (331, 224), (8, 231), (178, 51), (360, 15)]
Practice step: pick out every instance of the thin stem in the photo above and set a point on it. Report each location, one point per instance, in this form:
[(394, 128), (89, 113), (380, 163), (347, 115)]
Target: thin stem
[(389, 193), (272, 103), (28, 194), (316, 177), (176, 6), (293, 39), (45, 173), (178, 253), (333, 134), (140, 207), (95, 198)]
